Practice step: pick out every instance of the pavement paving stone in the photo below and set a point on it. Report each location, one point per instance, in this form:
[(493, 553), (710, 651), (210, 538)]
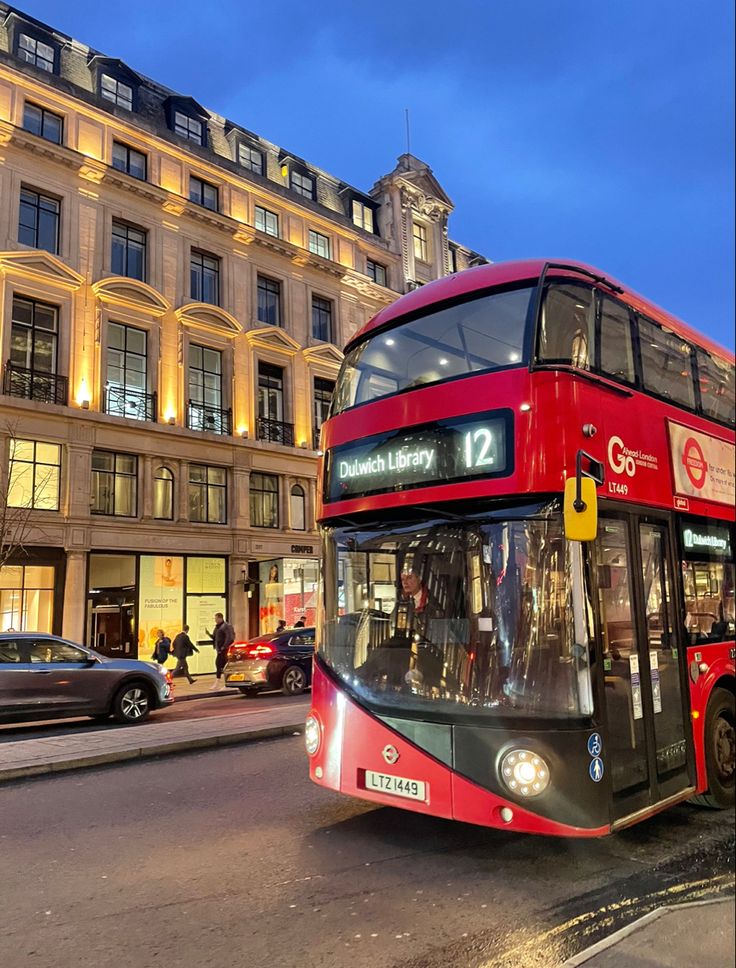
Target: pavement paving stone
[(702, 933)]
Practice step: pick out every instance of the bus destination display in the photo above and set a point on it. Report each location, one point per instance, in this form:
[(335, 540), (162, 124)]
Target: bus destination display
[(448, 450)]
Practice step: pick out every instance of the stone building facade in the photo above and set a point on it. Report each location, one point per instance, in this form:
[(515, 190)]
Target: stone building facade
[(174, 293)]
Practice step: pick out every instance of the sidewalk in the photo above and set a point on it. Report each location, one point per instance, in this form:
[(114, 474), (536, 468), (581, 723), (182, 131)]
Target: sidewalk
[(32, 757), (701, 933)]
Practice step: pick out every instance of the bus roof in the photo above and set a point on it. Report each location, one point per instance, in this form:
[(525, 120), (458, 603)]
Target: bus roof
[(505, 273)]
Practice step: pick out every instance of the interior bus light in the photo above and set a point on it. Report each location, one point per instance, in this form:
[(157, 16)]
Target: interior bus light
[(525, 773)]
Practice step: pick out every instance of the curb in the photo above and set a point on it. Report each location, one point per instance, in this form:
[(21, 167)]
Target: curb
[(600, 946), (162, 749)]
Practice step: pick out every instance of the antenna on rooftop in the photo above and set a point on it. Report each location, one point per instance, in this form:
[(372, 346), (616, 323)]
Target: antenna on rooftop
[(408, 140)]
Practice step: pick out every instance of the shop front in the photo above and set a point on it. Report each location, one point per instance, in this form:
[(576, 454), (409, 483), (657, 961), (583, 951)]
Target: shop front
[(131, 596), (287, 592), (32, 591)]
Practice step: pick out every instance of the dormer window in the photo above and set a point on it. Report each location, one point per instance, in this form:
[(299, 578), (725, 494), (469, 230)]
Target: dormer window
[(116, 91), (36, 52), (362, 216), (188, 127), (302, 184), (250, 158)]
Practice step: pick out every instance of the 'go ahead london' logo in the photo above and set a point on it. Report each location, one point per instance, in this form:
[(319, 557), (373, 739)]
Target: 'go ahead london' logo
[(624, 460)]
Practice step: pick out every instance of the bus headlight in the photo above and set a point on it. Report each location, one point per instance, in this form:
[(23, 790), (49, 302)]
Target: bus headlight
[(312, 734), (525, 773)]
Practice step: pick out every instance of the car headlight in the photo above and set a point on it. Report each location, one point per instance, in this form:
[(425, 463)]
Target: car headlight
[(525, 773), (312, 734)]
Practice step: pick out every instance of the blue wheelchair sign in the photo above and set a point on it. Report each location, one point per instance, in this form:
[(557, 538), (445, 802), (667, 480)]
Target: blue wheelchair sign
[(595, 744), (596, 769)]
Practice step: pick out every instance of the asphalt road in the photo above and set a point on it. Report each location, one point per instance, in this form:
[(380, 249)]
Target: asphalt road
[(219, 705), (232, 857)]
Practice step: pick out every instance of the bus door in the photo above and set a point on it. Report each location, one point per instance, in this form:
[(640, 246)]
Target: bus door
[(644, 709)]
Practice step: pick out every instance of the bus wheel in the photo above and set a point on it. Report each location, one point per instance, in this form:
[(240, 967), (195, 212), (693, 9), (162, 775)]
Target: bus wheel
[(720, 751)]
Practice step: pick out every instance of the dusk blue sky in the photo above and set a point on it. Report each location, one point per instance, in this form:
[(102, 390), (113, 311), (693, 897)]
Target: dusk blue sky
[(595, 131)]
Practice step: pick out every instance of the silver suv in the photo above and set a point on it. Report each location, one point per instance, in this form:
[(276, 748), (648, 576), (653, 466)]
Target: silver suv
[(44, 677)]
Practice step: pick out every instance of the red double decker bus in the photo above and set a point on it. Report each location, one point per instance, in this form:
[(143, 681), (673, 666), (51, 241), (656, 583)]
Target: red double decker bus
[(526, 513)]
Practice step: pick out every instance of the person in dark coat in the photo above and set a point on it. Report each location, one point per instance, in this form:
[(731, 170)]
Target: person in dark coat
[(301, 623), (223, 636), (182, 647), (162, 648)]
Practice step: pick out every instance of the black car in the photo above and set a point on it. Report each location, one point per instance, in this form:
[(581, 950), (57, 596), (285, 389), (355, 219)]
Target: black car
[(43, 676), (281, 660)]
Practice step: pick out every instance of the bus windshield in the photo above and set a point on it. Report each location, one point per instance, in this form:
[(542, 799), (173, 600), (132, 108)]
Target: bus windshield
[(472, 616), (482, 334)]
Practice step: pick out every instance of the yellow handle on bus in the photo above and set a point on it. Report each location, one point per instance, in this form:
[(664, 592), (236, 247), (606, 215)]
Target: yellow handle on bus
[(581, 522)]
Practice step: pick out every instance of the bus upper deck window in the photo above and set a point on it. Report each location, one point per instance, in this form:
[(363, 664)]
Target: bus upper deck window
[(568, 326)]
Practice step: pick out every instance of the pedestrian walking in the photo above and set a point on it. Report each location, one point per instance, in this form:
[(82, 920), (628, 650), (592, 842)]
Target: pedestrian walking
[(281, 626), (223, 636), (161, 648), (181, 648), (301, 623)]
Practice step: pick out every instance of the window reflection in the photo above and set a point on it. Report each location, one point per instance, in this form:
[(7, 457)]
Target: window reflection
[(474, 614)]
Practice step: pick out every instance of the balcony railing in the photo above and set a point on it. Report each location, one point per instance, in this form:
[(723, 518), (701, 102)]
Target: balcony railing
[(34, 385), (276, 431), (214, 420), (131, 403)]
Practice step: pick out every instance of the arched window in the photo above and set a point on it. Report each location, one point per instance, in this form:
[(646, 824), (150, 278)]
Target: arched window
[(298, 515), (163, 494)]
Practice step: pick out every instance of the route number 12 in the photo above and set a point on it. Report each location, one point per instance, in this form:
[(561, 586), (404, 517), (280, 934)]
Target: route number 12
[(478, 444)]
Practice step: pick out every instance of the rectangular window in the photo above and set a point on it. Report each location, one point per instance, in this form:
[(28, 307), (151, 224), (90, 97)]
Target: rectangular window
[(716, 378), (126, 383), (43, 123), (267, 222), (666, 362), (38, 224), (205, 391), (114, 484), (250, 158), (188, 128), (26, 601), (205, 278), (269, 301), (115, 91), (36, 52), (264, 501), (319, 244), (270, 392), (322, 397), (617, 353), (421, 250), (207, 494), (362, 216), (302, 184), (567, 326), (129, 160), (34, 475), (128, 251), (204, 194), (33, 343), (322, 319), (376, 271)]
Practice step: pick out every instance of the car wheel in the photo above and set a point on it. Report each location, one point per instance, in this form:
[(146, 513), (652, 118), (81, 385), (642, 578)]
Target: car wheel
[(132, 703), (720, 751), (294, 682), (246, 691)]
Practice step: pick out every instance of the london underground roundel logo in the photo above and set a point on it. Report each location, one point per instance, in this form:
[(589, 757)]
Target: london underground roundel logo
[(693, 460), (390, 754)]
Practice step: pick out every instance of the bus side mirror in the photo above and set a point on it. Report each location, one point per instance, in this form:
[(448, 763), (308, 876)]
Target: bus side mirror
[(581, 523)]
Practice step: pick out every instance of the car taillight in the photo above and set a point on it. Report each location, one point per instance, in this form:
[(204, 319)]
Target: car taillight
[(244, 650)]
